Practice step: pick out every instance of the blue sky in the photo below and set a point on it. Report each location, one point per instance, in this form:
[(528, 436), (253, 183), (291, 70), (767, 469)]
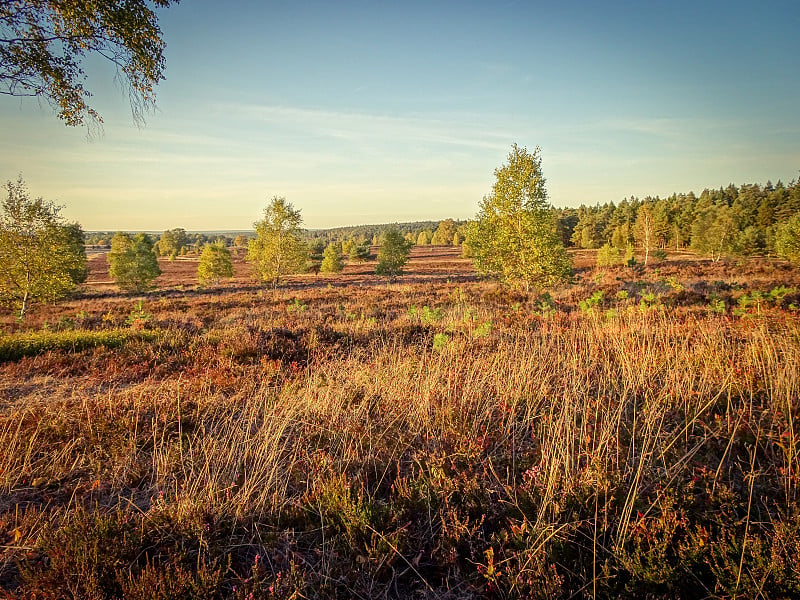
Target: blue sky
[(365, 112)]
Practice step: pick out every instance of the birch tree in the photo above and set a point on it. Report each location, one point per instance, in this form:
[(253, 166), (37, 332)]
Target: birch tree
[(514, 235), (278, 250), (41, 257)]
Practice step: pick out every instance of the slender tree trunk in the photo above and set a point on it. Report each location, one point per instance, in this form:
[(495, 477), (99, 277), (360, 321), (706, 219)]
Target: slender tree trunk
[(24, 305), (26, 294)]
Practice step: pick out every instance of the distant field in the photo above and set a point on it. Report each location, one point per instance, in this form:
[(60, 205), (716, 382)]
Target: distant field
[(633, 434)]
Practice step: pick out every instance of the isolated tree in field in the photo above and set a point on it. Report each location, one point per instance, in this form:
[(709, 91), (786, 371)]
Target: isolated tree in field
[(609, 256), (787, 240), (392, 254), (43, 44), (645, 230), (41, 257), (214, 264), (278, 249), (132, 261), (331, 259), (172, 242), (423, 239), (514, 234)]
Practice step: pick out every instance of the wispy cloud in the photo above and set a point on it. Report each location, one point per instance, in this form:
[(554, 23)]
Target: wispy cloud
[(465, 130)]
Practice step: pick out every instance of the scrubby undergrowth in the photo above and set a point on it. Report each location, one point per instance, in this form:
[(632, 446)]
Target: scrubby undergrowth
[(412, 441)]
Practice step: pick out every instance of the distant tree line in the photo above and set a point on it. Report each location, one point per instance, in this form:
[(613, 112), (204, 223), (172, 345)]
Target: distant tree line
[(418, 232), (174, 242), (751, 219), (517, 236)]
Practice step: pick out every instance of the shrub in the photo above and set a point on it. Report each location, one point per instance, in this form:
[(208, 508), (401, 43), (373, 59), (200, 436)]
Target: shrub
[(331, 260), (608, 256), (18, 345), (132, 261), (215, 263), (393, 254)]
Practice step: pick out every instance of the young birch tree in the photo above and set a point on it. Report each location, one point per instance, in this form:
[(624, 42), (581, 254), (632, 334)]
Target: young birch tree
[(41, 257), (514, 234), (278, 250)]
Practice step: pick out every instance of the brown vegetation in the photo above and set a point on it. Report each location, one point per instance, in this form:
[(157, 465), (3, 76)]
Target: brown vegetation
[(437, 437)]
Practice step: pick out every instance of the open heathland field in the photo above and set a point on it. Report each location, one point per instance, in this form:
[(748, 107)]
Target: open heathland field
[(632, 434)]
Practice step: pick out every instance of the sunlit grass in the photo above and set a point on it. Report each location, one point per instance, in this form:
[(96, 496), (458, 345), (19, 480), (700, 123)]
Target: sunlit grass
[(339, 450)]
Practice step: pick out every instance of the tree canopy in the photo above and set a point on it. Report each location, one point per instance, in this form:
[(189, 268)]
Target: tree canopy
[(514, 235), (734, 220), (278, 248), (215, 263), (171, 242), (393, 253), (42, 258), (787, 243), (332, 259), (132, 261), (43, 44)]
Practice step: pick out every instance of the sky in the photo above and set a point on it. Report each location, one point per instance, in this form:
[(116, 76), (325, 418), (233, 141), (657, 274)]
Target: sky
[(374, 112)]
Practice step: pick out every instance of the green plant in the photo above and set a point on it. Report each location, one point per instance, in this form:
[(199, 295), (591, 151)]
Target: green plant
[(132, 262), (482, 330), (215, 263), (18, 345), (609, 256), (673, 282), (546, 305), (138, 317), (512, 236), (440, 341), (429, 316), (622, 295), (332, 259), (278, 248), (778, 293), (296, 305), (717, 305), (393, 254), (629, 258), (590, 304), (747, 302), (41, 257), (649, 301)]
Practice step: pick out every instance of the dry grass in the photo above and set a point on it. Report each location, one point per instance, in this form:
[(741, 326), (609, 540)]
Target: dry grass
[(422, 439)]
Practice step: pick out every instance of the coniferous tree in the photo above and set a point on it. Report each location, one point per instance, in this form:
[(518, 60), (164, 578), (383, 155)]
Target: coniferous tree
[(392, 254), (331, 260)]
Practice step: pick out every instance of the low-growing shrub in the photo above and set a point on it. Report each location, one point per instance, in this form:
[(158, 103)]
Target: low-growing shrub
[(18, 345), (609, 256), (592, 302)]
